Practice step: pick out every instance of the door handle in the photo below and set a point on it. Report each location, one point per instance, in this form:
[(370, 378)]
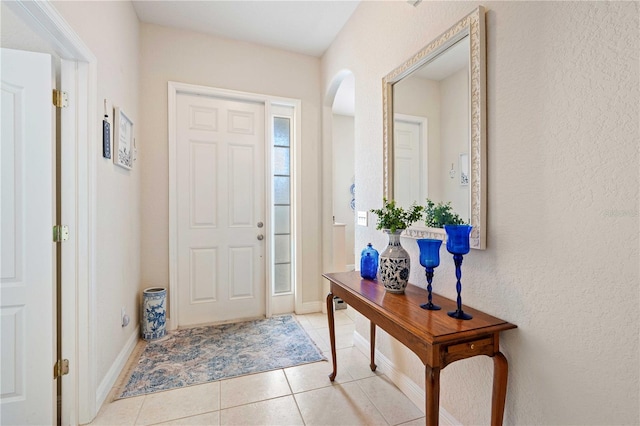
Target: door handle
[(260, 224), (260, 237)]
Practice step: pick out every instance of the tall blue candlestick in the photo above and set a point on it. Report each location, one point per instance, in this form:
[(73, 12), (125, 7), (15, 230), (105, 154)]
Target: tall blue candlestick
[(429, 258), (458, 245)]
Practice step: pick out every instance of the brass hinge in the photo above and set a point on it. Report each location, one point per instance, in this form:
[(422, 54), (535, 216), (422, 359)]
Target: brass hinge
[(60, 99), (60, 233), (61, 368)]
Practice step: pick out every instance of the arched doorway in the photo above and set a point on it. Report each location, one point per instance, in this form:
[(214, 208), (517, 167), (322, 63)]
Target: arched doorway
[(339, 172), (343, 170)]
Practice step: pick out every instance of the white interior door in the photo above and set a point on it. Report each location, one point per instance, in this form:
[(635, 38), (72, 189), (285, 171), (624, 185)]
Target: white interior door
[(410, 183), (220, 157), (27, 285)]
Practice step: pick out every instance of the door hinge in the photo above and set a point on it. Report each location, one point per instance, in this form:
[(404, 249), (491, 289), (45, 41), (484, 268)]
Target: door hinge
[(61, 368), (60, 99), (60, 233)]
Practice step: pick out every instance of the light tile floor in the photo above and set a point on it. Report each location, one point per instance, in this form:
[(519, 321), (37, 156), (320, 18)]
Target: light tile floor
[(301, 395)]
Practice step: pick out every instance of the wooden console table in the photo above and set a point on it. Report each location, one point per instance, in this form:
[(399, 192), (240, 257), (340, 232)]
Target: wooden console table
[(436, 338)]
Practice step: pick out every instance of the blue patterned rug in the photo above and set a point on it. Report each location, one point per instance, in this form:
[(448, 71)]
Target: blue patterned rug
[(208, 353)]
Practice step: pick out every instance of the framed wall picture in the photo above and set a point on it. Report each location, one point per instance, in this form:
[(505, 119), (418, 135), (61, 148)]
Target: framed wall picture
[(122, 139)]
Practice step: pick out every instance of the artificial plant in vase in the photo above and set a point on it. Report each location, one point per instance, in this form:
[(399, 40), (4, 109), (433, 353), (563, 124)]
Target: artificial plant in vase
[(393, 217), (441, 214), (395, 263)]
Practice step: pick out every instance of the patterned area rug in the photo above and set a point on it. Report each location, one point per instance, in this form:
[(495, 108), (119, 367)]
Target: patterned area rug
[(205, 354)]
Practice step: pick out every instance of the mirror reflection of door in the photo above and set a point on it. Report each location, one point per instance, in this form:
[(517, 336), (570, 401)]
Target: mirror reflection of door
[(410, 159), (438, 91), (344, 190)]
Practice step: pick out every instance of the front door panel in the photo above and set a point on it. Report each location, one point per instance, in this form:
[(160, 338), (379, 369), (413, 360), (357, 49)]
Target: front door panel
[(220, 199)]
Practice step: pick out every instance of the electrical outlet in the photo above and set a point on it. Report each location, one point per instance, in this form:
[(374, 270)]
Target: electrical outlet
[(362, 218), (124, 318)]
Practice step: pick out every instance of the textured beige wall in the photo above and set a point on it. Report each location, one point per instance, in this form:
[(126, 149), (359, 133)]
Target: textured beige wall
[(194, 58), (562, 244), (110, 31), (342, 179)]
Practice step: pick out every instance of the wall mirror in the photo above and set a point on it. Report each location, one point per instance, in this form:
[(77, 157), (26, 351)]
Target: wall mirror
[(434, 115)]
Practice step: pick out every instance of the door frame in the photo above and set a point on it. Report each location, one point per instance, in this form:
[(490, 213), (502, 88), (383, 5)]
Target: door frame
[(174, 88), (78, 205)]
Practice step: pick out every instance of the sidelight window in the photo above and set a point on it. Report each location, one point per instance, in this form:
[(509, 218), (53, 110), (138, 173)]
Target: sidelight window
[(281, 166)]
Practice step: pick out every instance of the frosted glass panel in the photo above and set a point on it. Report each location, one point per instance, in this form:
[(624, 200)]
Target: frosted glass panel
[(281, 161), (282, 249), (281, 134), (282, 279), (282, 220), (281, 189)]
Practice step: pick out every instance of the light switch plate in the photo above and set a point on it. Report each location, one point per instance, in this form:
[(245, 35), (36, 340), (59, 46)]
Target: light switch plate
[(362, 218)]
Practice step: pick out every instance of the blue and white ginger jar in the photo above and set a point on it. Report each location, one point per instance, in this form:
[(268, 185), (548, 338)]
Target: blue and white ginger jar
[(154, 313), (395, 264)]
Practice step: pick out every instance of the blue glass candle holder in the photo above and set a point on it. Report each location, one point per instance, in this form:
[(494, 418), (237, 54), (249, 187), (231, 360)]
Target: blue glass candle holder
[(458, 245), (430, 259)]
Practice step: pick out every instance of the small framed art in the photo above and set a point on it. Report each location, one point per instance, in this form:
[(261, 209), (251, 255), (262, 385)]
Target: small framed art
[(122, 139)]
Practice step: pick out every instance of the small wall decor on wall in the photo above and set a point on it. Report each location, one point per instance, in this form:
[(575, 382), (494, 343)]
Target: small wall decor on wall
[(464, 169), (352, 191), (106, 134), (122, 139)]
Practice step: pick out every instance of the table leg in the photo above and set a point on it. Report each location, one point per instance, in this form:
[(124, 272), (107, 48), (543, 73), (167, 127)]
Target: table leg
[(432, 395), (500, 372), (332, 335), (372, 337)]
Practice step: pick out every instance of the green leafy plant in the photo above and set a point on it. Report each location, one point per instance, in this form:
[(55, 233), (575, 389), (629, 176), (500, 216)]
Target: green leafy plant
[(438, 215), (394, 217)]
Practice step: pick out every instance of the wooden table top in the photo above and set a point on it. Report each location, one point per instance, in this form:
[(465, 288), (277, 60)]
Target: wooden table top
[(434, 327)]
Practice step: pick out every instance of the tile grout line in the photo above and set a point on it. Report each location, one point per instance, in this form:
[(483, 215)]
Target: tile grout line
[(313, 327), (366, 395), (144, 399), (293, 395), (219, 402)]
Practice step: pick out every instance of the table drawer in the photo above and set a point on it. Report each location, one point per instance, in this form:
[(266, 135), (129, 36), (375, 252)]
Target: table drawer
[(457, 351)]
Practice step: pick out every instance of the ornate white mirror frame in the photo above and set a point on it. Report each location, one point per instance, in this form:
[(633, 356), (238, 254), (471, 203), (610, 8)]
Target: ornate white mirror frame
[(473, 26)]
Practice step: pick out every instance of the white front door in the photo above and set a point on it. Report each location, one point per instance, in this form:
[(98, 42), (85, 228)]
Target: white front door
[(220, 157), (410, 183), (27, 285)]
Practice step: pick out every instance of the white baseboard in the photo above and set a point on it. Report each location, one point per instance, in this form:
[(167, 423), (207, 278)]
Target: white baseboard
[(309, 308), (116, 368), (401, 380)]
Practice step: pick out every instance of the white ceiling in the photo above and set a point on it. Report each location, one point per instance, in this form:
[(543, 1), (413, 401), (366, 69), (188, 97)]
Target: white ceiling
[(302, 26)]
